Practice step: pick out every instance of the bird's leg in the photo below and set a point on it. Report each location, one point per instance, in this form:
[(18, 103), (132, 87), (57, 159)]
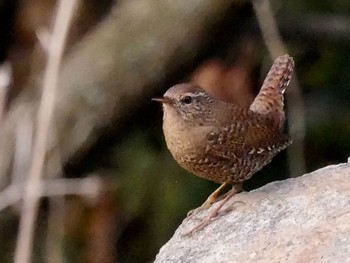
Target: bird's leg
[(214, 196), (235, 189), (210, 200)]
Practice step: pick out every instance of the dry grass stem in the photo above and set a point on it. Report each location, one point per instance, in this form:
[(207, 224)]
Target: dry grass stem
[(87, 187), (5, 81), (45, 113)]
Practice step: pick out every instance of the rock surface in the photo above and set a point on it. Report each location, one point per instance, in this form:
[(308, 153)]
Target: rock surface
[(305, 219)]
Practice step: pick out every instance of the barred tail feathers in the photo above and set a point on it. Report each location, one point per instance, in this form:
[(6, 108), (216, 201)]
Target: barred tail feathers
[(270, 98)]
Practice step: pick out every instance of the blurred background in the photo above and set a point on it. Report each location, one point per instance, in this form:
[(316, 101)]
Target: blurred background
[(113, 192)]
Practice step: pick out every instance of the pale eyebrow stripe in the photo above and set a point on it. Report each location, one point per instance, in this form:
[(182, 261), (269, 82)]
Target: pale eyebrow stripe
[(199, 94)]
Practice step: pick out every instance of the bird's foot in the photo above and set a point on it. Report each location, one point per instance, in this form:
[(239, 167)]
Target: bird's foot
[(192, 213), (206, 221), (214, 197), (214, 214)]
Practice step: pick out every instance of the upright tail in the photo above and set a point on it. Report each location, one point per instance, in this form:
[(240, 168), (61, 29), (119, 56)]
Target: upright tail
[(270, 98)]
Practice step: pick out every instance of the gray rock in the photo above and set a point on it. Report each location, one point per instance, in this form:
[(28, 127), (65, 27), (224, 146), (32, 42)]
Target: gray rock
[(305, 219)]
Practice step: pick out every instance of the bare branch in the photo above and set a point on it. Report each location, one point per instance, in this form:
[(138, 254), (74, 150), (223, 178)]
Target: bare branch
[(46, 107), (89, 187), (5, 80)]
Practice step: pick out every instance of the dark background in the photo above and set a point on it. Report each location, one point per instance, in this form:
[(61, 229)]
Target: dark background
[(145, 193)]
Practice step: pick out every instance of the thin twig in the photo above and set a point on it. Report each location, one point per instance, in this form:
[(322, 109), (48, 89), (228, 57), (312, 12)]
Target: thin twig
[(89, 187), (296, 113), (31, 199), (5, 81)]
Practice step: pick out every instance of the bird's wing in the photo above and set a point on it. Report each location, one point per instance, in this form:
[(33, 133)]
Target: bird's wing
[(225, 142), (242, 138), (261, 139)]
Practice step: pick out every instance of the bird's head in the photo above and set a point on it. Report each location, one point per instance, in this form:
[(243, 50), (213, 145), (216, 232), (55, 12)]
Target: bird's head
[(187, 101)]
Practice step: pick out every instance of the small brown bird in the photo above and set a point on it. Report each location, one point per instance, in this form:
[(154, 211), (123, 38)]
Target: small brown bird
[(223, 142)]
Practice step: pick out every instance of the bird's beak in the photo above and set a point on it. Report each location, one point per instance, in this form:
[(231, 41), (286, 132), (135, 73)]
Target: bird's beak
[(162, 100)]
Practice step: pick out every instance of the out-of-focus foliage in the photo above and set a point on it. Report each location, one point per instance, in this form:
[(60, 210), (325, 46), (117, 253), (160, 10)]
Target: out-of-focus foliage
[(146, 193)]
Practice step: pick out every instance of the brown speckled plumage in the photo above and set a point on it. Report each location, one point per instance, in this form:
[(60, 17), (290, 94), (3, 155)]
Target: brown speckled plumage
[(223, 142)]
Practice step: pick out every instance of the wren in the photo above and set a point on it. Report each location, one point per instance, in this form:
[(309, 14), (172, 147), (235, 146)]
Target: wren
[(223, 142)]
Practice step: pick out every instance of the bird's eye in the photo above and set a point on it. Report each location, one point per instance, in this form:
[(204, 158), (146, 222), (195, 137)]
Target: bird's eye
[(187, 99)]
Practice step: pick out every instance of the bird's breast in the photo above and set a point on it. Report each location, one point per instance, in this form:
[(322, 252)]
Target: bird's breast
[(183, 140)]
